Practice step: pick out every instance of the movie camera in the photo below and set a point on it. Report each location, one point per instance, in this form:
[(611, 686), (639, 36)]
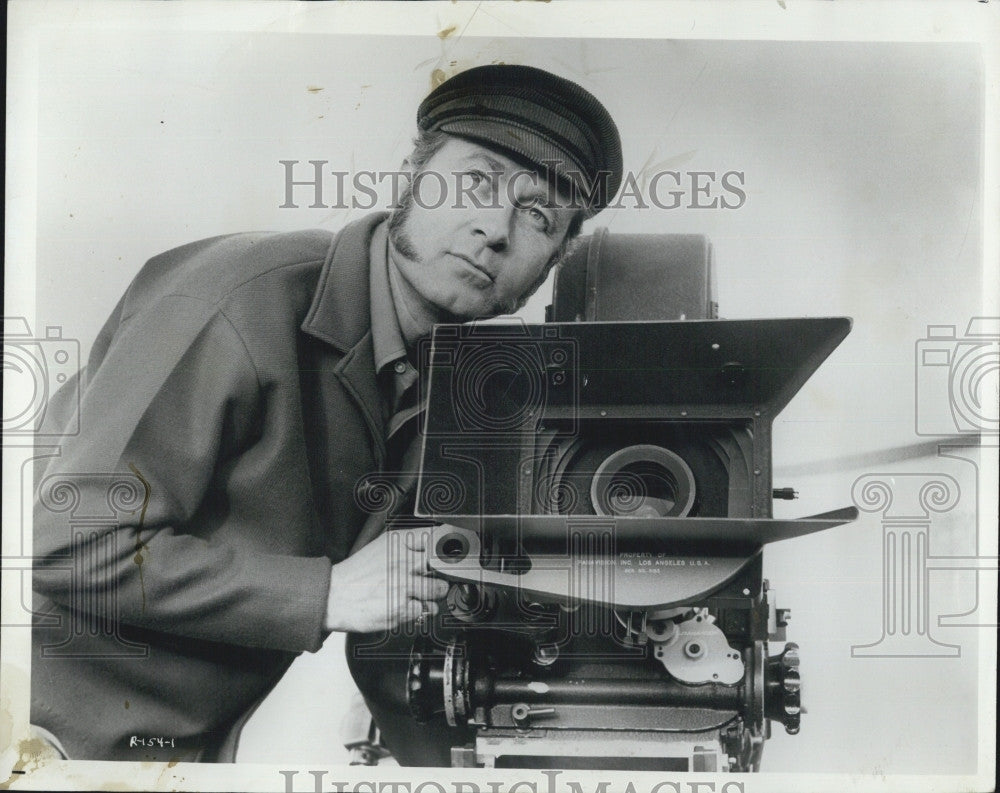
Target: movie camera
[(607, 608)]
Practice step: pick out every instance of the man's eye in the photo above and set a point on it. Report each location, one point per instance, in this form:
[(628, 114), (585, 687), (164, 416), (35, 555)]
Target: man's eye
[(537, 217), (476, 178)]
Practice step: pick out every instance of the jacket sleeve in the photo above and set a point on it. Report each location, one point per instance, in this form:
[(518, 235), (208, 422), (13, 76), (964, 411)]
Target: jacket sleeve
[(173, 398)]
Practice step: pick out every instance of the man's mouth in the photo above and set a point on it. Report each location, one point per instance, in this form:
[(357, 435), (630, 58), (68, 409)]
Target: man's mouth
[(475, 266)]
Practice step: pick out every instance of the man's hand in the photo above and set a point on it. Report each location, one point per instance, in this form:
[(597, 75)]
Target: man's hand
[(385, 584)]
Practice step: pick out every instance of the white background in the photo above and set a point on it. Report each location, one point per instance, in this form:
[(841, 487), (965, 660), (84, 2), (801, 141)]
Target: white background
[(863, 166)]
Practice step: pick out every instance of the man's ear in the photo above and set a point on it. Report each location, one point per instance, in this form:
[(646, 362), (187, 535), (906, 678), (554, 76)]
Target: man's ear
[(404, 185)]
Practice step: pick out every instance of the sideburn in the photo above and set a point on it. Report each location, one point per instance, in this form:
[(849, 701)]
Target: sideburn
[(398, 237)]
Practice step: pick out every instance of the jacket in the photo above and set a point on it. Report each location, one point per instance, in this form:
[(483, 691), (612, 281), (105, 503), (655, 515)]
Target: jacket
[(184, 537)]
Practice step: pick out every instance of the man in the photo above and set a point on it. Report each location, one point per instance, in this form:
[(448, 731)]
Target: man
[(241, 391)]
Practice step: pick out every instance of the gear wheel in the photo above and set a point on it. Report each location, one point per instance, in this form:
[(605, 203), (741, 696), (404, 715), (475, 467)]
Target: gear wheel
[(782, 689)]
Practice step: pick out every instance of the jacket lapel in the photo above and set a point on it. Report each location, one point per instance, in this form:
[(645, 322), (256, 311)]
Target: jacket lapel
[(340, 315)]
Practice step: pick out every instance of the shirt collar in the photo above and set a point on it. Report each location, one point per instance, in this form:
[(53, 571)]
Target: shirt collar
[(387, 338)]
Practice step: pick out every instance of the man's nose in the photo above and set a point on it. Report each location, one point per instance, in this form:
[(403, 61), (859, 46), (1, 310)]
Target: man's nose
[(493, 223)]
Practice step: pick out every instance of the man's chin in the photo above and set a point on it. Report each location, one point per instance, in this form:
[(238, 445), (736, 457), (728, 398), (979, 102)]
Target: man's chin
[(451, 317), (456, 315)]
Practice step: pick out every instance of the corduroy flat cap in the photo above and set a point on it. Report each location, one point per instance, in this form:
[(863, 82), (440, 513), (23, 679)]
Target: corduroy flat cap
[(547, 120)]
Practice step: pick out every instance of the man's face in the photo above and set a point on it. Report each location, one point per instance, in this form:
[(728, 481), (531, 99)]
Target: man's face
[(477, 232)]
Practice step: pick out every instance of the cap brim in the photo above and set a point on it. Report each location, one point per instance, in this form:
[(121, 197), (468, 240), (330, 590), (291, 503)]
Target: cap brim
[(532, 149)]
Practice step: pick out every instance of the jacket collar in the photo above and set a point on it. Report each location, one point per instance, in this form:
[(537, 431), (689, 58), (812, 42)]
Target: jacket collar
[(340, 315)]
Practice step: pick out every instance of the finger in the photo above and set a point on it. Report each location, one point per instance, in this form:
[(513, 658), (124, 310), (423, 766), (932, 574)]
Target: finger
[(417, 539), (433, 588), (414, 539), (407, 553), (427, 588), (419, 610), (419, 564)]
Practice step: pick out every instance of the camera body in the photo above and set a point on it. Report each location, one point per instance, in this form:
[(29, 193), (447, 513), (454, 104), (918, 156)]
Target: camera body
[(962, 370), (607, 608), (632, 420), (34, 369), (606, 553)]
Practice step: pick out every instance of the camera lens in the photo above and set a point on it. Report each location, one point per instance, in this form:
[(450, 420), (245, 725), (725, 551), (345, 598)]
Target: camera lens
[(645, 489), (643, 481)]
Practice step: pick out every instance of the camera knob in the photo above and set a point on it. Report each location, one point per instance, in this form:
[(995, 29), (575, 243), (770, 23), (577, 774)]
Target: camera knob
[(783, 689), (424, 685)]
